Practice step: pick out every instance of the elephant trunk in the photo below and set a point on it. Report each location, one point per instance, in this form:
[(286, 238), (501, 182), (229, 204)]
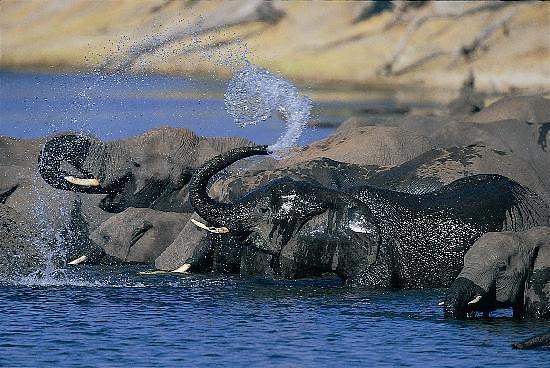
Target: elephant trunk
[(463, 297), (213, 211), (534, 342), (72, 149)]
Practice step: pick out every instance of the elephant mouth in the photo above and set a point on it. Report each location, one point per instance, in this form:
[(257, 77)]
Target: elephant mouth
[(464, 298)]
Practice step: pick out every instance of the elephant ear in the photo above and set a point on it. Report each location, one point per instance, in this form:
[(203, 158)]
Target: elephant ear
[(537, 291)]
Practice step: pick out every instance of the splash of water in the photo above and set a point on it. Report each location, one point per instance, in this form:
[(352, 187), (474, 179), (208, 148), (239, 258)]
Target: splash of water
[(254, 94)]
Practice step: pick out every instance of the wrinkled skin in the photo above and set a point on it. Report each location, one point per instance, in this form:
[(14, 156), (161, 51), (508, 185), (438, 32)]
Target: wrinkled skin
[(508, 269), (368, 236), (63, 219), (151, 170), (512, 135), (137, 235), (19, 244)]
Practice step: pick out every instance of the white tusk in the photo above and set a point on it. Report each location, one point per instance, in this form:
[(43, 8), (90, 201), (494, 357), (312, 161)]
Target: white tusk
[(183, 269), (84, 182), (441, 304), (475, 300), (153, 272), (215, 230), (79, 260)]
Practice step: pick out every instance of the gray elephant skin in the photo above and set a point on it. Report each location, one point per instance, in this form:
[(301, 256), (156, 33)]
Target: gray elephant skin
[(368, 236), (504, 270), (137, 235), (19, 244), (150, 170)]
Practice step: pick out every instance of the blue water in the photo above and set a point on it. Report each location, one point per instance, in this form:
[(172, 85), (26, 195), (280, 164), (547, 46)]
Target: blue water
[(111, 107), (112, 317)]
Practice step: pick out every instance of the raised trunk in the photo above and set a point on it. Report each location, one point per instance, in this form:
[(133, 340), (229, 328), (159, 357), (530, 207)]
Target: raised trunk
[(71, 149), (213, 211)]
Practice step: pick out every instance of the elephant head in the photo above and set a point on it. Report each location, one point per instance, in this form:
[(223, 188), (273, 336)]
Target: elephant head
[(143, 171), (502, 270), (287, 212)]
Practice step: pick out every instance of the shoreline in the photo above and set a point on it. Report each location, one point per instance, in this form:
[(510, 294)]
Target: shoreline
[(341, 52), (323, 91)]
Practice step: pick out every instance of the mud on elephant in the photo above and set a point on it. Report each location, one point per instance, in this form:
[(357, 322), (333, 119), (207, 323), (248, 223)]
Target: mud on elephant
[(368, 236), (503, 270), (149, 170)]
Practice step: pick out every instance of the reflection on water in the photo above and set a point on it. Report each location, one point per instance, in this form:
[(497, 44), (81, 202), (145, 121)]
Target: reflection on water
[(120, 319), (112, 107)]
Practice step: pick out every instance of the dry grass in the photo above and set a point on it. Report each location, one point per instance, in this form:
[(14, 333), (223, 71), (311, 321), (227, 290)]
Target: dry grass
[(316, 42)]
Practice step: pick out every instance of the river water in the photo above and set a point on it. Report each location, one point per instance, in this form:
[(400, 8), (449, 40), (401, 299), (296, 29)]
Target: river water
[(96, 316)]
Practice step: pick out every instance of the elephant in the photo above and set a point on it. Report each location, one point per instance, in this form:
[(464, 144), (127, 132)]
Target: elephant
[(516, 128), (20, 252), (148, 171), (503, 270), (534, 342), (64, 220), (366, 235), (136, 235), (206, 251), (389, 147), (438, 167)]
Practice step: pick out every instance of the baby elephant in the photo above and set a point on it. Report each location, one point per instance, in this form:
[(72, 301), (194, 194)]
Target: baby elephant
[(502, 270)]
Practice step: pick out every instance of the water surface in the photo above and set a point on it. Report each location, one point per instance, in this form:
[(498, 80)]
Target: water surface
[(112, 317), (102, 317)]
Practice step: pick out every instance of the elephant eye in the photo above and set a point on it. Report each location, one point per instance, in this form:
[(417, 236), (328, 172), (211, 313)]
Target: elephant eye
[(136, 164), (501, 268), (107, 237)]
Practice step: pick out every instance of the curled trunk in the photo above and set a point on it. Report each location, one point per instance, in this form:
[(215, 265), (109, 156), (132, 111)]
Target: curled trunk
[(215, 212), (72, 149)]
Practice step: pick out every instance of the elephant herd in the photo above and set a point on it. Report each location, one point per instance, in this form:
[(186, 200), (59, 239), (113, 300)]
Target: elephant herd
[(414, 201)]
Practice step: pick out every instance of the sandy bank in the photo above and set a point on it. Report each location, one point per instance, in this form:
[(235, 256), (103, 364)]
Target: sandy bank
[(434, 45)]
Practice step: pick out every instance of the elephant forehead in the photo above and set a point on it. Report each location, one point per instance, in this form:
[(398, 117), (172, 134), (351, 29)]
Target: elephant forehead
[(494, 246)]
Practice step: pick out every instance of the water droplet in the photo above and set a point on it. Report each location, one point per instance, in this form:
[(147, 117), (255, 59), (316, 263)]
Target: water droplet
[(253, 94)]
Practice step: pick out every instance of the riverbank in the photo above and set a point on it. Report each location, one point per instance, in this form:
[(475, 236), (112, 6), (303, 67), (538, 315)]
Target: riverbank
[(433, 46)]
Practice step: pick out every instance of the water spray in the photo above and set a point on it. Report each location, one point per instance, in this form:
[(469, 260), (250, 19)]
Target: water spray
[(254, 94)]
